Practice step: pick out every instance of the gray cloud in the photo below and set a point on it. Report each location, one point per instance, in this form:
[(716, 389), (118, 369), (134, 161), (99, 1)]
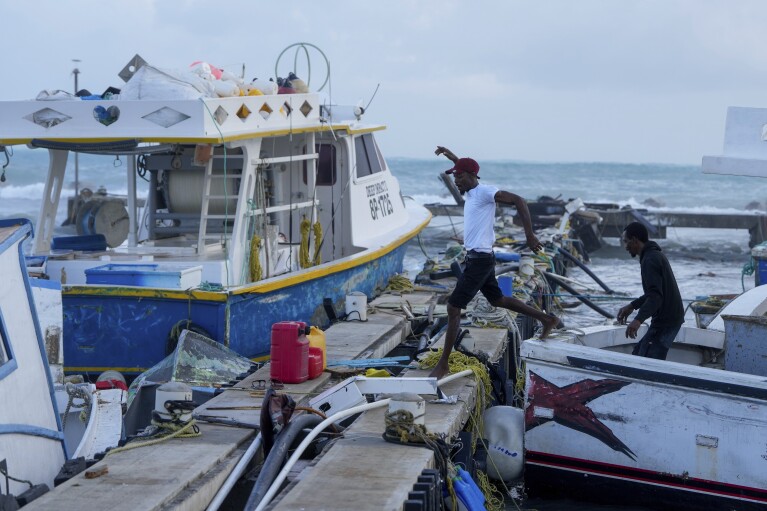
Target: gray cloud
[(556, 80)]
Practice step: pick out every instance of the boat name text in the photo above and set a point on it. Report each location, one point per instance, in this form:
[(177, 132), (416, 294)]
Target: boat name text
[(378, 198)]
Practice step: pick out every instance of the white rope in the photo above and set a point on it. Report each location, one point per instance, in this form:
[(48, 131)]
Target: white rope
[(81, 391)]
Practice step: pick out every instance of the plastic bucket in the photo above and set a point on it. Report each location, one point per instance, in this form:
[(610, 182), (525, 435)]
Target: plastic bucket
[(506, 283)]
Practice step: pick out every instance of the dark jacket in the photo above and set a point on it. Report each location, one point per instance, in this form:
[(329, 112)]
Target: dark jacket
[(661, 299)]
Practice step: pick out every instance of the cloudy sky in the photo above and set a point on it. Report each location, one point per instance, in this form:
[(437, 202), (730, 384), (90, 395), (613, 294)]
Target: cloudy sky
[(544, 80)]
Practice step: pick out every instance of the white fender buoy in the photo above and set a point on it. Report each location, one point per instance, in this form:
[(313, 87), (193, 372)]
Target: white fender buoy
[(505, 431)]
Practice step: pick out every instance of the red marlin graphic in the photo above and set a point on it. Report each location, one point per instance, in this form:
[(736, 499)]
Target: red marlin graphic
[(568, 405)]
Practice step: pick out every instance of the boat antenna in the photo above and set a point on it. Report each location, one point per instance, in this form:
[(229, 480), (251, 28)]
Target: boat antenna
[(76, 73), (371, 98), (359, 110)]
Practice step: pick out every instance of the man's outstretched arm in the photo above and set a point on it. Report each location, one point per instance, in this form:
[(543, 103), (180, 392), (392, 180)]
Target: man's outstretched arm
[(524, 214), (447, 152)]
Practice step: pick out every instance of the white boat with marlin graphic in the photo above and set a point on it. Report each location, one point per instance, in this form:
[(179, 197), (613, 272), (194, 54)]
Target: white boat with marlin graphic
[(683, 433), (259, 208)]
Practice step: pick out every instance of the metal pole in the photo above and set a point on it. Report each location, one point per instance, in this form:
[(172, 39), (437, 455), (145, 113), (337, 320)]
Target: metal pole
[(77, 155)]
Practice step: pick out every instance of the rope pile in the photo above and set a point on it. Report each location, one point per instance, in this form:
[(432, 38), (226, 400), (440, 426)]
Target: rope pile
[(484, 315), (161, 430), (401, 428), (458, 362), (304, 259), (493, 496), (400, 283), (256, 272), (77, 392)]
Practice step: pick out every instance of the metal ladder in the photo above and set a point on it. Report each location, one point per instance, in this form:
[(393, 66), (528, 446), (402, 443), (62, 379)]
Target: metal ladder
[(208, 178)]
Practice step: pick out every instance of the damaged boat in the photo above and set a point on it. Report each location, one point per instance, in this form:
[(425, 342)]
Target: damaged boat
[(681, 433)]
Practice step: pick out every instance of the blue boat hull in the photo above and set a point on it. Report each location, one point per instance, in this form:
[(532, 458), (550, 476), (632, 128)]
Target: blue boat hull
[(118, 330)]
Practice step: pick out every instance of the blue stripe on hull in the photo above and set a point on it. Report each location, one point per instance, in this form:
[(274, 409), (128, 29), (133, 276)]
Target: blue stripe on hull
[(132, 332)]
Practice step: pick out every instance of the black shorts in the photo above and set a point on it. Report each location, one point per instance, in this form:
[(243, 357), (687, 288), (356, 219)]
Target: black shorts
[(479, 275)]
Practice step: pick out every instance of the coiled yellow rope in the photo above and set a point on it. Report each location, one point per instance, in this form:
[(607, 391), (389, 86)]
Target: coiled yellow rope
[(176, 431), (400, 283), (493, 496), (460, 362), (317, 243), (255, 259), (303, 255), (519, 384), (400, 426)]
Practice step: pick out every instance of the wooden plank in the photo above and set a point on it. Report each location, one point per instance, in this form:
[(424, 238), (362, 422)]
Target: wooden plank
[(199, 494), (147, 477), (490, 341), (357, 473), (373, 338), (225, 404)]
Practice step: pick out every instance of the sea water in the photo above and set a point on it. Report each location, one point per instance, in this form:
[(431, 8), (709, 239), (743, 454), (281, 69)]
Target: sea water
[(705, 261)]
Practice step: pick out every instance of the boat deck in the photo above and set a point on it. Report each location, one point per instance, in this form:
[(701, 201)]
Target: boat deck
[(187, 473)]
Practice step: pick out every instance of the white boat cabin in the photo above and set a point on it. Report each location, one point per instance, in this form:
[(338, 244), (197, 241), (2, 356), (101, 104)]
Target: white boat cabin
[(235, 184)]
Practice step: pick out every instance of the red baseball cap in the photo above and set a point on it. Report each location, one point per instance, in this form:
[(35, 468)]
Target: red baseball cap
[(464, 165)]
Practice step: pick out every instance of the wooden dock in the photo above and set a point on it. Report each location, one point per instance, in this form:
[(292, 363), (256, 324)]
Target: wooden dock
[(364, 472), (361, 471), (614, 220)]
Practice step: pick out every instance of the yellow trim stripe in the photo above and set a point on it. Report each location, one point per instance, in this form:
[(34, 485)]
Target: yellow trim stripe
[(206, 140), (221, 296), (69, 369), (143, 292)]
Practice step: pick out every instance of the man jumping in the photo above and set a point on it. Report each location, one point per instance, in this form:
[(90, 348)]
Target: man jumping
[(478, 239)]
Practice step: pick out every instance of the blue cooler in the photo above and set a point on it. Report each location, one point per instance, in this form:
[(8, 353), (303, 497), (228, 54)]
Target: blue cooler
[(147, 275)]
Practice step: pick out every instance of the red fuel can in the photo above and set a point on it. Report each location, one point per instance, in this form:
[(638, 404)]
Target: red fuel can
[(289, 352), (315, 362)]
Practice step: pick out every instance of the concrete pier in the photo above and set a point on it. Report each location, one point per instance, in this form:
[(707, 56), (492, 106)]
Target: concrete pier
[(359, 472)]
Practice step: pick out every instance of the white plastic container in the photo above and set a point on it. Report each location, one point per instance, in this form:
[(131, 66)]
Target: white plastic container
[(526, 267), (172, 391), (356, 306)]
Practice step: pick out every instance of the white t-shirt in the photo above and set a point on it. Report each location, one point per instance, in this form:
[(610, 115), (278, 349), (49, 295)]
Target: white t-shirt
[(478, 218)]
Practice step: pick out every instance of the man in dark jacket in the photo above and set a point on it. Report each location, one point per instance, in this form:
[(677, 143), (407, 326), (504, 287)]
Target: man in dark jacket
[(661, 300)]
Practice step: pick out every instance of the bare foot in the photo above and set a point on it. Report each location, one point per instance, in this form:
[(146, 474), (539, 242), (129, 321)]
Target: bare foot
[(548, 325)]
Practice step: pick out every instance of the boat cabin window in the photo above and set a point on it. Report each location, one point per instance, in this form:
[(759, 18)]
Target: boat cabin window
[(326, 165), (368, 157), (6, 356)]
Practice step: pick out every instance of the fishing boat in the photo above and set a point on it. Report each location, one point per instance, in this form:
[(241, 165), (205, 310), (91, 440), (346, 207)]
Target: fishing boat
[(681, 433), (34, 442), (261, 208)]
